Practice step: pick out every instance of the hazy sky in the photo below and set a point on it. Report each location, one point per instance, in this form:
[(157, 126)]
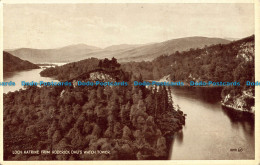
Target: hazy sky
[(57, 25)]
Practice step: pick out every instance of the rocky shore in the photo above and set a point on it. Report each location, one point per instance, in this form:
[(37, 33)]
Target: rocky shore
[(243, 102)]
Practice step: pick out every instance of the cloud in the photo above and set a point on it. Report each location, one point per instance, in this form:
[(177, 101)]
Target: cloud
[(56, 25)]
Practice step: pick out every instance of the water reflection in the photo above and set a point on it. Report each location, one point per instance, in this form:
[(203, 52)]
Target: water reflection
[(240, 119), (209, 95), (26, 75), (210, 131)]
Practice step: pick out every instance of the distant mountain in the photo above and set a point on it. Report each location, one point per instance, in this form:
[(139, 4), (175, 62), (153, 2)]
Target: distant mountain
[(232, 39), (12, 63), (122, 52), (150, 52), (64, 54), (79, 47), (121, 47)]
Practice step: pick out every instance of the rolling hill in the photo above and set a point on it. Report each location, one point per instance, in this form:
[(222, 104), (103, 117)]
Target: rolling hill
[(150, 52), (121, 47), (12, 63), (123, 52), (64, 54)]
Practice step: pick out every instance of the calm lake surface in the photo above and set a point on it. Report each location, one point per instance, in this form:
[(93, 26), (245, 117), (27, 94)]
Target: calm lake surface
[(211, 131), (26, 75)]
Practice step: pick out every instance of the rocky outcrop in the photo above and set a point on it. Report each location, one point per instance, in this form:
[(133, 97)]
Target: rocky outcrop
[(246, 51), (100, 76), (242, 99), (244, 102)]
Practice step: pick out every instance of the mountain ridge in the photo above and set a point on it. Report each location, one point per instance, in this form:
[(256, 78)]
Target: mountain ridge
[(123, 52)]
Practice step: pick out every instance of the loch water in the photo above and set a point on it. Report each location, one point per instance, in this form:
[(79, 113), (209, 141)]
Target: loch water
[(211, 132)]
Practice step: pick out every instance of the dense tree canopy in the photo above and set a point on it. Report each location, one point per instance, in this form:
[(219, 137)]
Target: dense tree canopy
[(130, 122)]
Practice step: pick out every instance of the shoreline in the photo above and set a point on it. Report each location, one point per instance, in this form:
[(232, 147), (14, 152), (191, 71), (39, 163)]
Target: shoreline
[(236, 109)]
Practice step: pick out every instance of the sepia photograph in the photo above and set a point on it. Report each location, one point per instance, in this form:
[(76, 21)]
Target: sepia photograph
[(129, 81)]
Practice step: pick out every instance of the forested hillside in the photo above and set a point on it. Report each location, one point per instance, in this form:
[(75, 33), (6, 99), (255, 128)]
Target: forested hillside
[(229, 62), (221, 63), (12, 63), (71, 70), (125, 121)]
